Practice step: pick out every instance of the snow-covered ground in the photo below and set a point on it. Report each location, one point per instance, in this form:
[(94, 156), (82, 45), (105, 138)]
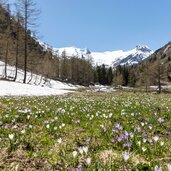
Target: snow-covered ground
[(36, 84), (8, 88), (101, 88)]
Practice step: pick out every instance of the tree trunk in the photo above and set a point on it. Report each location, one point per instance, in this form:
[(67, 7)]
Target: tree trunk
[(6, 59), (26, 40), (16, 58)]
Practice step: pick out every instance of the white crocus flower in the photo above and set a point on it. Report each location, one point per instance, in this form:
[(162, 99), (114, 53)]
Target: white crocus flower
[(23, 131), (60, 140), (142, 123), (110, 115), (155, 138), (63, 125), (88, 161), (30, 126), (11, 136), (168, 167), (85, 149), (144, 140), (161, 143), (74, 154), (144, 149), (139, 143), (126, 156), (150, 127), (80, 149), (131, 134)]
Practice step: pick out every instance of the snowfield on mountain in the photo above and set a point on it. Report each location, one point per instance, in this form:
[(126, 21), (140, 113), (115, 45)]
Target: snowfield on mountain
[(108, 58)]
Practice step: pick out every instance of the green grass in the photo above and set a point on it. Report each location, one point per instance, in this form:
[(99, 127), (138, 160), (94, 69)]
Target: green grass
[(92, 131)]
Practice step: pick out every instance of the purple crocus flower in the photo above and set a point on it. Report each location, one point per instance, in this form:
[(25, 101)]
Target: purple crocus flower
[(115, 130), (126, 133), (124, 137), (116, 125), (112, 140), (78, 169), (144, 134), (119, 139), (120, 127), (128, 144), (104, 129), (138, 129)]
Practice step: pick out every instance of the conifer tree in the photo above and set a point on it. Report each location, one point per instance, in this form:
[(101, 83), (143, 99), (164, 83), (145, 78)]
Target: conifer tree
[(29, 13), (109, 76)]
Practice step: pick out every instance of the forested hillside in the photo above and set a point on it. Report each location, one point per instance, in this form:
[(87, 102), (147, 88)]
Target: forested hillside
[(155, 70), (13, 48)]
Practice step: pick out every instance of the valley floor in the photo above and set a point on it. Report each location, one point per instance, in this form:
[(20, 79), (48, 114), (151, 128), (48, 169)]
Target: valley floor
[(86, 130)]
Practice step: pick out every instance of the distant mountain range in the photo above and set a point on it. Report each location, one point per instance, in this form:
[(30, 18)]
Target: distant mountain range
[(109, 58)]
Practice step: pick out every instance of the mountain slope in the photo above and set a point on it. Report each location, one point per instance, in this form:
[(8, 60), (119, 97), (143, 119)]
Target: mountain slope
[(154, 70), (109, 58)]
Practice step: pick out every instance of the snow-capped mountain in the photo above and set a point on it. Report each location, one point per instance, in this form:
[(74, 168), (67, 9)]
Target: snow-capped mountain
[(72, 51), (134, 56), (109, 58)]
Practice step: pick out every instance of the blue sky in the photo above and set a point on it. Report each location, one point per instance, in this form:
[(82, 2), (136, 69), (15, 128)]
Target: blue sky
[(102, 25)]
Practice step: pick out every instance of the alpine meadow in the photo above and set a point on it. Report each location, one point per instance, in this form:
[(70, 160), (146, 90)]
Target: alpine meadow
[(68, 104)]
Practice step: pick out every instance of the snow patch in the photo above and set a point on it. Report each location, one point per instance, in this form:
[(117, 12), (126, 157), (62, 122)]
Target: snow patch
[(9, 88), (37, 85)]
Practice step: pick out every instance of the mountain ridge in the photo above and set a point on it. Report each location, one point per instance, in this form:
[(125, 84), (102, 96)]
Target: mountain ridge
[(108, 58)]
